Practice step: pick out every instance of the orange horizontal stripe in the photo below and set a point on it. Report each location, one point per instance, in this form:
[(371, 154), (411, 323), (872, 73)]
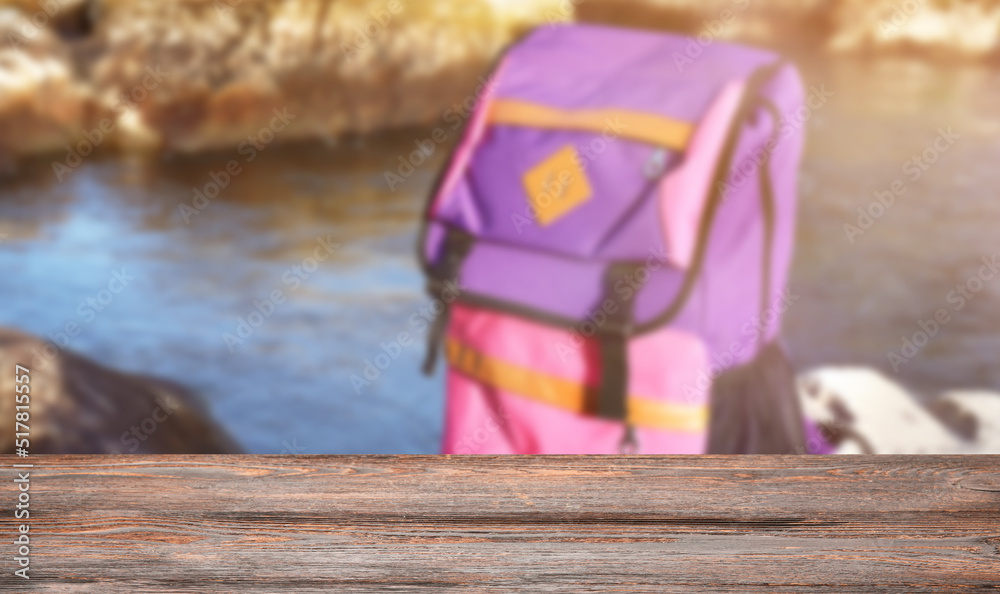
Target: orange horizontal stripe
[(635, 125), (572, 396)]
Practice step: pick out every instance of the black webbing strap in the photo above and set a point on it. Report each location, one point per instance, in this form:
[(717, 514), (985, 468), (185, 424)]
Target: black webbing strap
[(457, 246), (768, 207), (614, 374), (613, 343)]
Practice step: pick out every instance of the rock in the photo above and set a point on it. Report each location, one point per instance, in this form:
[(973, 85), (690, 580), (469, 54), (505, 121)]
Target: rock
[(965, 29), (770, 23), (863, 412), (80, 407), (974, 414), (961, 28), (42, 106), (197, 75), (338, 67)]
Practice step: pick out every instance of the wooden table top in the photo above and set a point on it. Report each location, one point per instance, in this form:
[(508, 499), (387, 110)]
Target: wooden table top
[(653, 524)]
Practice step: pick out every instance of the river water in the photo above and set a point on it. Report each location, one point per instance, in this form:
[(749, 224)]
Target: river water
[(287, 386)]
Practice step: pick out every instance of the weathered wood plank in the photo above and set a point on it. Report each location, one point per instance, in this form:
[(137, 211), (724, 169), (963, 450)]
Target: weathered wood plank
[(263, 523)]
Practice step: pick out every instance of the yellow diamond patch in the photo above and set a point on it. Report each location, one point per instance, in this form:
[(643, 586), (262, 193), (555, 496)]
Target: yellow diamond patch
[(556, 186)]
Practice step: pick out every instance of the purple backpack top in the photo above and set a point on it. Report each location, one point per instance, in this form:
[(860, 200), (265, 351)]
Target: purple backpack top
[(610, 242)]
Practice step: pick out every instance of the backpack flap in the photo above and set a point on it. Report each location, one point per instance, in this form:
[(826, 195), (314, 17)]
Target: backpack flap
[(592, 154)]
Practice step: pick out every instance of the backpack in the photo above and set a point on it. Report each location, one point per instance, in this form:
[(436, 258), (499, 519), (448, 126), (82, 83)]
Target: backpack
[(607, 246)]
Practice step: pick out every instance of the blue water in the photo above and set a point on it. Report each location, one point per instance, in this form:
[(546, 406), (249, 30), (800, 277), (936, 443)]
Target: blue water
[(286, 387)]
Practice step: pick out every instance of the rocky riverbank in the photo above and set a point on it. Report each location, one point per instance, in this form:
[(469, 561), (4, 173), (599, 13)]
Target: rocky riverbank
[(950, 29), (79, 407), (192, 75)]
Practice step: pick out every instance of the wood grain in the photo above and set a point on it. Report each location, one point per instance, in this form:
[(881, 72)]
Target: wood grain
[(582, 524)]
